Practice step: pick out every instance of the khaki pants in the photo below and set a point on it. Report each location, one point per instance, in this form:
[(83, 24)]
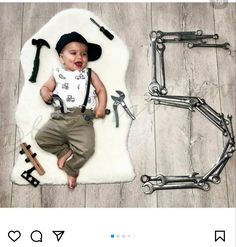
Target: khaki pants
[(68, 131)]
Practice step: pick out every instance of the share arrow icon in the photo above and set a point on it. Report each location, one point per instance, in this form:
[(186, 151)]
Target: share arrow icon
[(58, 234)]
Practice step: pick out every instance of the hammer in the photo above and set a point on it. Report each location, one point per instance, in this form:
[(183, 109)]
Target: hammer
[(39, 43)]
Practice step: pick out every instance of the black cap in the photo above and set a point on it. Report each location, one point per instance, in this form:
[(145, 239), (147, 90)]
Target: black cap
[(94, 50)]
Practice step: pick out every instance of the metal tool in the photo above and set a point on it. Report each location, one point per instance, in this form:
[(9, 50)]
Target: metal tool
[(225, 45), (154, 86), (162, 180), (39, 43), (103, 30), (157, 93), (57, 101), (160, 49), (149, 188), (184, 36), (120, 101), (89, 117)]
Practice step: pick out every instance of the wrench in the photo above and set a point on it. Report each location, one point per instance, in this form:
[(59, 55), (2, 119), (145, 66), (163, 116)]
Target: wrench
[(161, 34), (224, 45), (57, 99), (175, 101), (154, 85), (149, 188), (163, 180), (161, 48), (185, 36), (89, 117)]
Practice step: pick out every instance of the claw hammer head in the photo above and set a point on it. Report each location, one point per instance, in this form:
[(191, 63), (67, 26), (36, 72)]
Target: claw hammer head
[(40, 43)]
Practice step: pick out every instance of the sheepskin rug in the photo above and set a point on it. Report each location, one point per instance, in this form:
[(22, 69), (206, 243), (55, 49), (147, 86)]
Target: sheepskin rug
[(111, 162)]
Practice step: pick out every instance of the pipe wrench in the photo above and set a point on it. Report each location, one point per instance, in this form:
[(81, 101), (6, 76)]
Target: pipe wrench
[(120, 101)]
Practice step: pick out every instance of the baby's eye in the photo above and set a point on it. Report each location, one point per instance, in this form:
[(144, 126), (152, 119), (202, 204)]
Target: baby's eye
[(84, 54), (73, 53)]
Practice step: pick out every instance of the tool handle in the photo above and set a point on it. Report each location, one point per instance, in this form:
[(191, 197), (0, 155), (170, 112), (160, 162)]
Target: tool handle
[(36, 67), (107, 111), (106, 33)]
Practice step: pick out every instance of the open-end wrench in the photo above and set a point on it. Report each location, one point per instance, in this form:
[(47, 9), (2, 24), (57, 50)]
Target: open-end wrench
[(149, 188), (225, 45), (120, 101)]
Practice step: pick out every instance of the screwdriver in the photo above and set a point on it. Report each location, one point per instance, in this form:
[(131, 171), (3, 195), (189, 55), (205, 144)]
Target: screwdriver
[(103, 30)]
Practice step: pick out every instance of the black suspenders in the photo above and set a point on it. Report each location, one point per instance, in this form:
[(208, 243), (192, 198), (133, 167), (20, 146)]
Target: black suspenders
[(87, 92)]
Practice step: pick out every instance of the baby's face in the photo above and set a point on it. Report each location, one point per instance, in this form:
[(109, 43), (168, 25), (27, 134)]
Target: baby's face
[(74, 56)]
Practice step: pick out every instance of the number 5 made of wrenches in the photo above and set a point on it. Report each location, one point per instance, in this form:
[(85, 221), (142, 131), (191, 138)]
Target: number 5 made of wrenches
[(157, 92)]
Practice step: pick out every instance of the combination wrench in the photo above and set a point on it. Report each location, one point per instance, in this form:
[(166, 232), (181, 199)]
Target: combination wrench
[(149, 188), (225, 45), (160, 49)]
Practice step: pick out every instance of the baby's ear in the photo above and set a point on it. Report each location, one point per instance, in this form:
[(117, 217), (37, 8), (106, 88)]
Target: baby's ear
[(61, 58)]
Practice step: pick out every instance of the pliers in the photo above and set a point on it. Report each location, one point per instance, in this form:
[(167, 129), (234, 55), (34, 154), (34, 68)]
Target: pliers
[(120, 101)]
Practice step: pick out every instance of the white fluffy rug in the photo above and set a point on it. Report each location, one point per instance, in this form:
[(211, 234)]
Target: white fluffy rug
[(111, 161)]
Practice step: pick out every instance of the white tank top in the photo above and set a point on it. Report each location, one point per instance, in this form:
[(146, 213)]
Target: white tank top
[(71, 86)]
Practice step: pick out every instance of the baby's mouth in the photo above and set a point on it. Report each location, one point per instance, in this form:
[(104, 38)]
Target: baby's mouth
[(78, 64)]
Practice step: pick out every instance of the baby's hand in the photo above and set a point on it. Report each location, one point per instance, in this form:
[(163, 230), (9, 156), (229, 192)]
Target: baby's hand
[(46, 94), (100, 112)]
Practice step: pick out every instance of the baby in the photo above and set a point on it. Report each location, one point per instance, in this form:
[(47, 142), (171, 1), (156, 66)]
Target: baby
[(68, 135)]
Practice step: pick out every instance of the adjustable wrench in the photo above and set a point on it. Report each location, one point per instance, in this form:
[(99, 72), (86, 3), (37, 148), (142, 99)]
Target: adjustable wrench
[(225, 45), (120, 101)]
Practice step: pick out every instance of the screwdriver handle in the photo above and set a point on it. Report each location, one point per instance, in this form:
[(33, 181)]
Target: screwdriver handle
[(106, 33)]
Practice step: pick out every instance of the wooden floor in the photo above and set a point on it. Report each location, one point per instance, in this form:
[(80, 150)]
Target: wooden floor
[(162, 140)]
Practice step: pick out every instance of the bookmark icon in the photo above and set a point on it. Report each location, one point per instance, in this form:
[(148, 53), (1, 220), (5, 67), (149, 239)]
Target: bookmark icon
[(58, 234)]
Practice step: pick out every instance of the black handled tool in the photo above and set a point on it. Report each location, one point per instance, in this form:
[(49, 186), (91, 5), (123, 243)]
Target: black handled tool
[(39, 43), (103, 30), (89, 117)]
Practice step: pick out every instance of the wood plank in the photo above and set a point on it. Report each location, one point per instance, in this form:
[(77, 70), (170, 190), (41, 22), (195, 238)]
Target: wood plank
[(206, 139), (225, 26), (10, 18), (10, 29), (8, 98), (171, 123), (131, 23)]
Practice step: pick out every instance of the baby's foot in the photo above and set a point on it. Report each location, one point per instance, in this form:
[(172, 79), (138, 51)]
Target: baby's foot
[(64, 158), (72, 182)]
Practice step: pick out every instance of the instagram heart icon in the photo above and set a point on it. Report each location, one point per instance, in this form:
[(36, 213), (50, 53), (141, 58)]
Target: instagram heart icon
[(14, 235)]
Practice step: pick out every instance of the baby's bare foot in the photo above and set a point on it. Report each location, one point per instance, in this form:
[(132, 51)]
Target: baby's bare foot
[(72, 182), (64, 158)]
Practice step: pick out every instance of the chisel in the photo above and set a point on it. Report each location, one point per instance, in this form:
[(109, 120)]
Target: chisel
[(103, 30)]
